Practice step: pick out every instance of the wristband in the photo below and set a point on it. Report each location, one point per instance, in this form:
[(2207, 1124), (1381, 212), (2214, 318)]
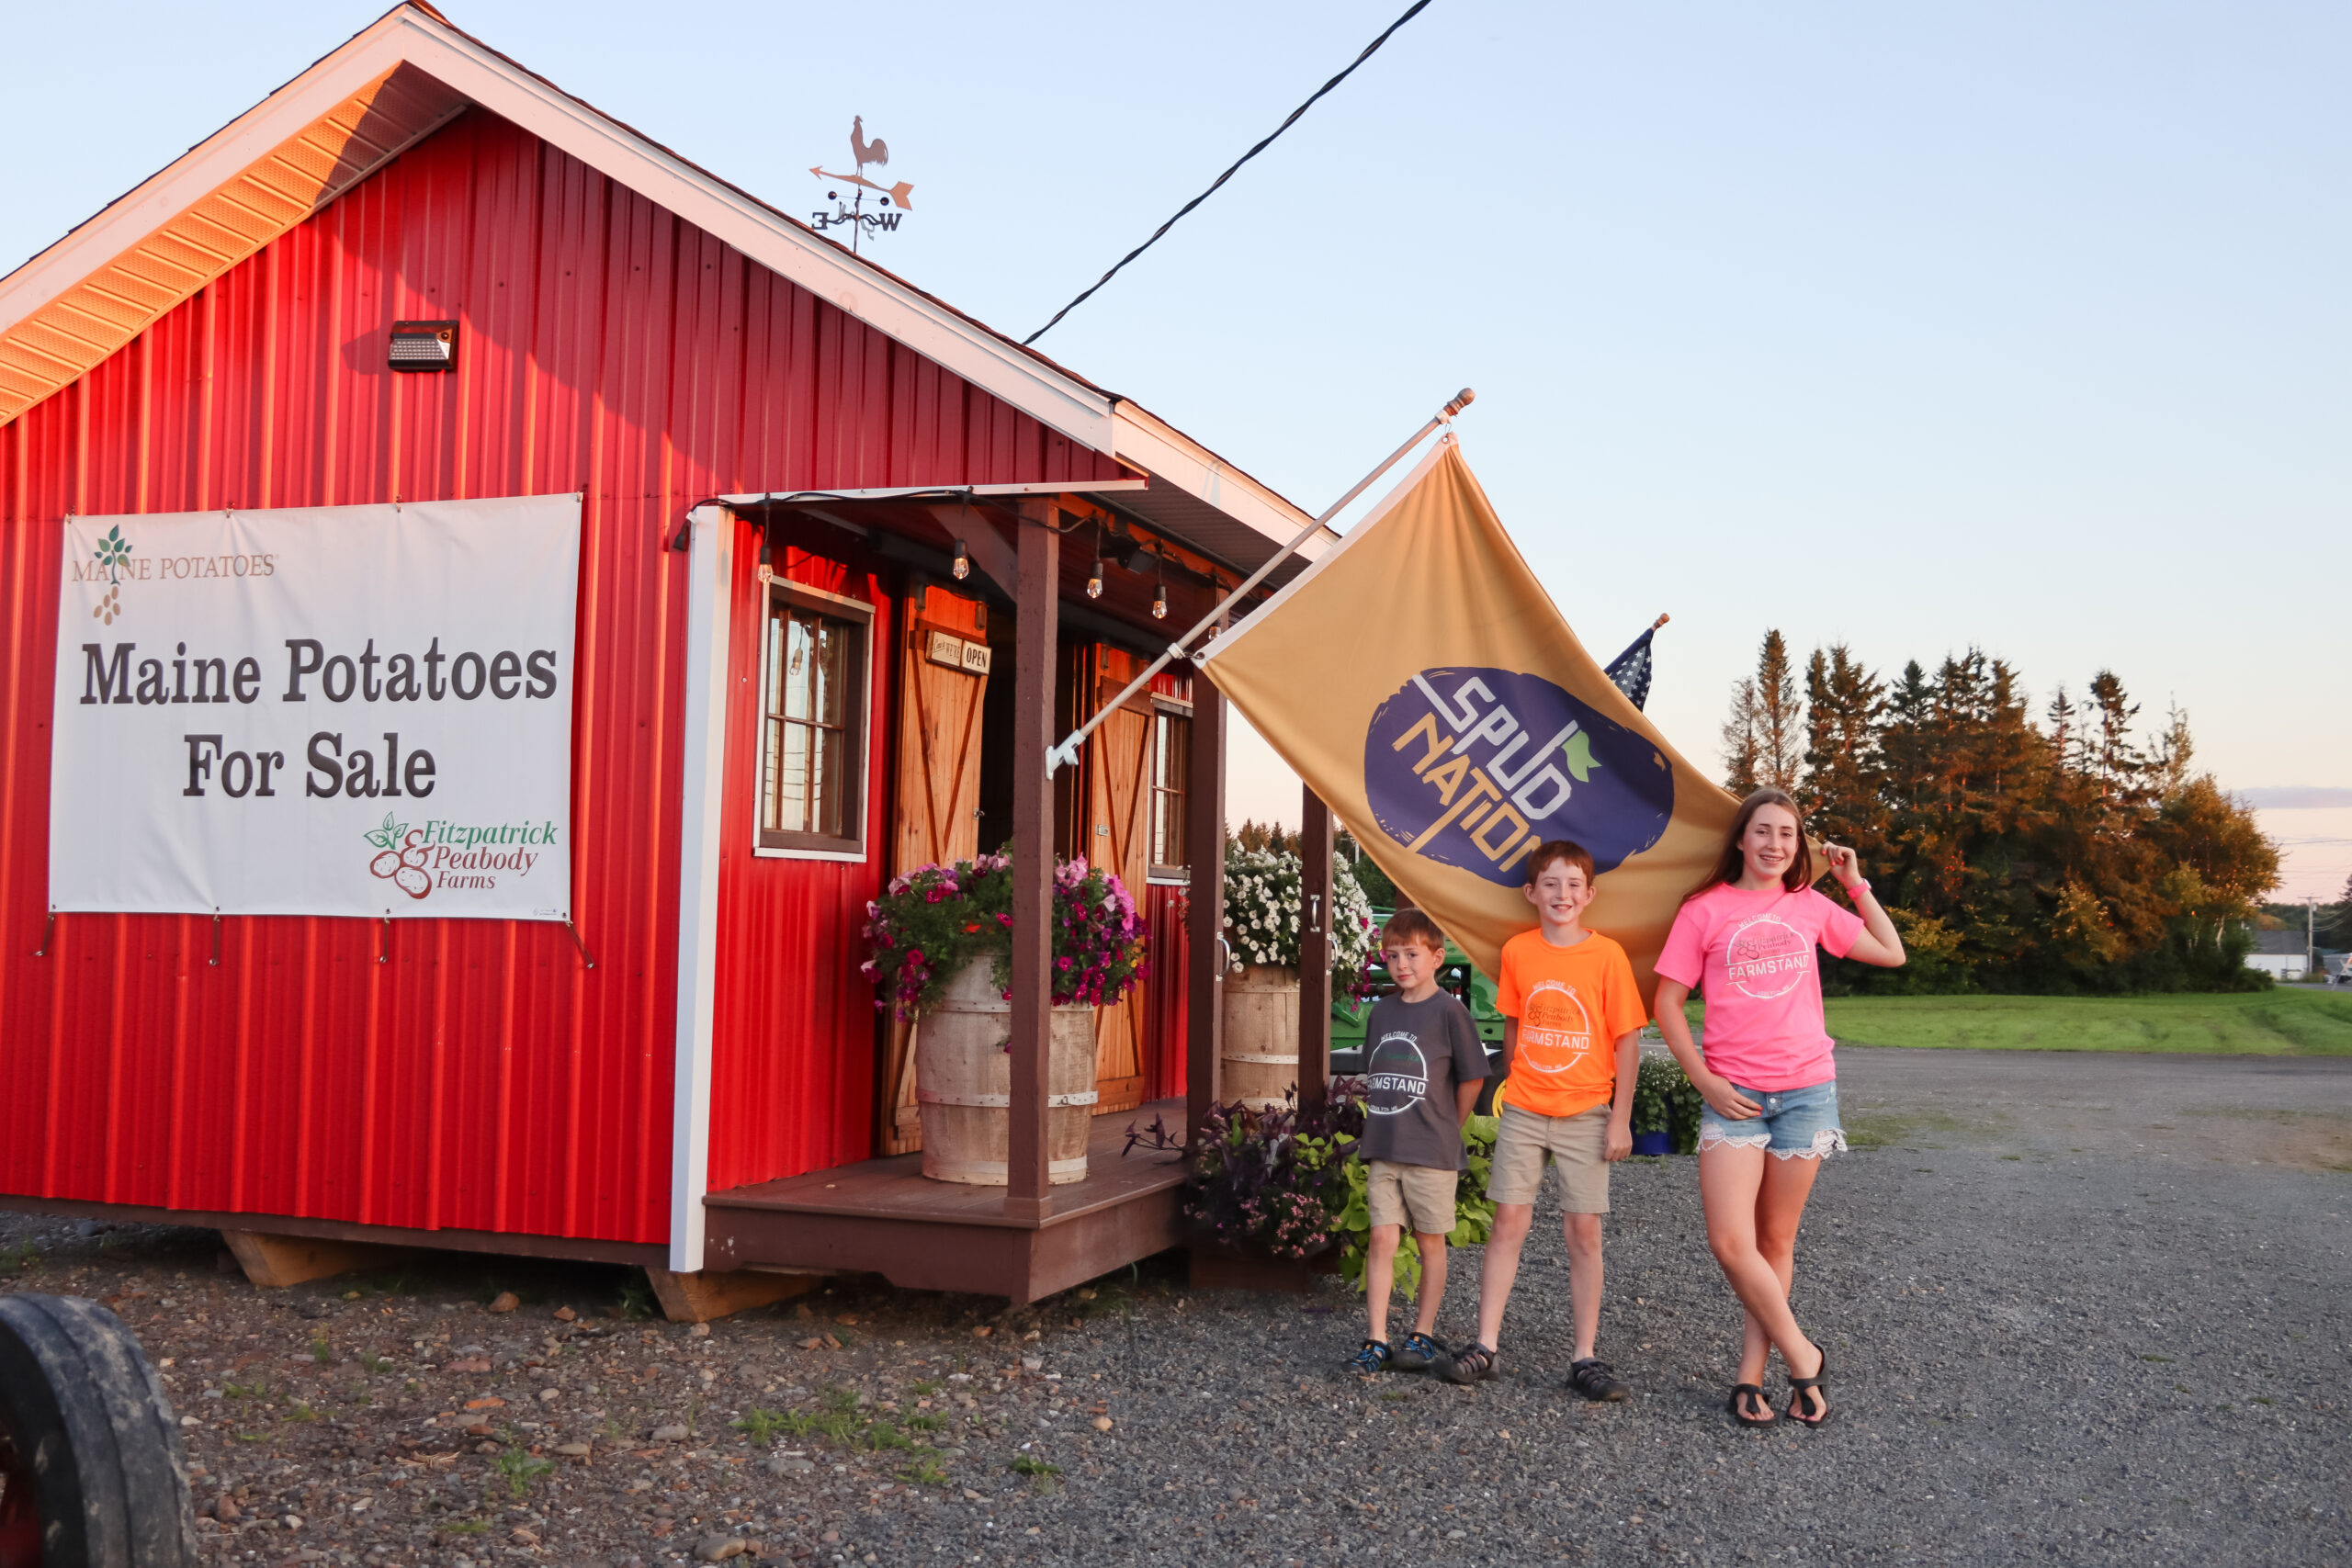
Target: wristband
[(1859, 885)]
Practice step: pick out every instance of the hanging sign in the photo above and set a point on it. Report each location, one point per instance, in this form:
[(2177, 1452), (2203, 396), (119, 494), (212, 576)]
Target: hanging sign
[(342, 710)]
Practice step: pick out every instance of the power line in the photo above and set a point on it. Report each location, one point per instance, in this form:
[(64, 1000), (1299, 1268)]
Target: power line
[(1411, 12)]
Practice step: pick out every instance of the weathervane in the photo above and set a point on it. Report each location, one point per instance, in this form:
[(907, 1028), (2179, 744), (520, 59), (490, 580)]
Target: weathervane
[(892, 199)]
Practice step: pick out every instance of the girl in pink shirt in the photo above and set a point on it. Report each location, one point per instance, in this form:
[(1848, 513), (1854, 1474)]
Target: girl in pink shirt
[(1745, 939)]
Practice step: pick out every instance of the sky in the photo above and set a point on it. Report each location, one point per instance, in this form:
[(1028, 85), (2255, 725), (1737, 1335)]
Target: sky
[(2020, 326)]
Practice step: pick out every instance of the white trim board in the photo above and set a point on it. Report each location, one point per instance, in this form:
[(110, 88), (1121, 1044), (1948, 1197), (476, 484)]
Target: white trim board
[(710, 574)]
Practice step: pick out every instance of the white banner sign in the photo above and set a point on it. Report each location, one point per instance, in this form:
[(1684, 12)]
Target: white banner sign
[(335, 710)]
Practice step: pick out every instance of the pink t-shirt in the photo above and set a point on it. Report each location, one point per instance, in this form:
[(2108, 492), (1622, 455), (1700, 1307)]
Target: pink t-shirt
[(1750, 954)]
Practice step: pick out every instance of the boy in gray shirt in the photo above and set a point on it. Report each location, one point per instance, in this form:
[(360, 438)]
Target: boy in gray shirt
[(1423, 1066)]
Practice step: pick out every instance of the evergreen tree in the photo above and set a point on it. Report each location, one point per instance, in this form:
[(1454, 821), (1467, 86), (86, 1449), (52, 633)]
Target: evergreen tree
[(1779, 739), (1845, 780), (1739, 740)]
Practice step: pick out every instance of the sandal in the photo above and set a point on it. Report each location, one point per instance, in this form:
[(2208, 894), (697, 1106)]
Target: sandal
[(1596, 1380), (1799, 1388), (1373, 1359), (1756, 1401), (1418, 1353), (1474, 1364)]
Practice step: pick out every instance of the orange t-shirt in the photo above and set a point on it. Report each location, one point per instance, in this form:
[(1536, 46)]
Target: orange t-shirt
[(1571, 1003)]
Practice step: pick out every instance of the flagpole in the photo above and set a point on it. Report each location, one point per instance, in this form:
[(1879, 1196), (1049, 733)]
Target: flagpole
[(1066, 752)]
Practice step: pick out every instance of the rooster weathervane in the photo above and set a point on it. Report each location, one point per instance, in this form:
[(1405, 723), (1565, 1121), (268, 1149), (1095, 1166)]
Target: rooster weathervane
[(891, 201)]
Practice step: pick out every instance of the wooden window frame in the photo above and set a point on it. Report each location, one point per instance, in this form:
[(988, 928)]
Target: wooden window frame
[(1167, 708), (858, 705)]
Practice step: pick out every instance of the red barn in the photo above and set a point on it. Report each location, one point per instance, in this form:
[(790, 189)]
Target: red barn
[(766, 433)]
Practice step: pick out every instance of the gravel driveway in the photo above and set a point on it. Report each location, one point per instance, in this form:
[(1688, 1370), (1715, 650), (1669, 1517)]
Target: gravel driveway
[(2057, 1333)]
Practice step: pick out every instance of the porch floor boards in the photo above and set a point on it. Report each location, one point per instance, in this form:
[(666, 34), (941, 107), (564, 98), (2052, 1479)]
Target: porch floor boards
[(885, 1216)]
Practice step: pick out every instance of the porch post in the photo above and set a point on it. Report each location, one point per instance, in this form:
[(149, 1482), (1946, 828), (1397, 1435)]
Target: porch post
[(1204, 915), (1313, 951), (1027, 1195)]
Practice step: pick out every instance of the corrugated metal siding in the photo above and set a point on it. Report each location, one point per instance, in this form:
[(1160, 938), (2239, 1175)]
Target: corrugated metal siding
[(1164, 1034), (481, 1078), (793, 1042)]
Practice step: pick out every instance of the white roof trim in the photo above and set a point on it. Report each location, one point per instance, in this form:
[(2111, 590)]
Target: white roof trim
[(1149, 443), (900, 493)]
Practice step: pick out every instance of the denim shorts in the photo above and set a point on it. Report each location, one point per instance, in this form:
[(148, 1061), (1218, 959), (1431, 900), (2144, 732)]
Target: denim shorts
[(1796, 1124)]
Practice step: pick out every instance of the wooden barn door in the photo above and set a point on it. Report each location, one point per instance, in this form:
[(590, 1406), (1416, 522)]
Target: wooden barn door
[(1118, 819), (942, 683)]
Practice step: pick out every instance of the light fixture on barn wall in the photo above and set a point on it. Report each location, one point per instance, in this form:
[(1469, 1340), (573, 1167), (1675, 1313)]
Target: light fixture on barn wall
[(424, 345), (962, 567)]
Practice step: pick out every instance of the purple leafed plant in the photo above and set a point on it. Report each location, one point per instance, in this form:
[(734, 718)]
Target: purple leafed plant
[(1275, 1177)]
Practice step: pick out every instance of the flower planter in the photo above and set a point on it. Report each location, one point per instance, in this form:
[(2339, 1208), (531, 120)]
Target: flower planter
[(1259, 1055), (964, 1083), (1652, 1143)]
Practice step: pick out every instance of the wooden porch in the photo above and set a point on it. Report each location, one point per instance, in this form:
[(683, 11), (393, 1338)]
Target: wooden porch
[(1027, 1240), (883, 1216)]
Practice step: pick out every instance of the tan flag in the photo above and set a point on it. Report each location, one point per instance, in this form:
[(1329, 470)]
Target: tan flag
[(1420, 681)]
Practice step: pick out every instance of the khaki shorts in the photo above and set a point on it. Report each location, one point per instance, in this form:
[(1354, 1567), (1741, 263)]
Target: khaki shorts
[(1419, 1194), (1579, 1146)]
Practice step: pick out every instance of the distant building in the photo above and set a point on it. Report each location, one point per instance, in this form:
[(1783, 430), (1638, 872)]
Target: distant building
[(2284, 956)]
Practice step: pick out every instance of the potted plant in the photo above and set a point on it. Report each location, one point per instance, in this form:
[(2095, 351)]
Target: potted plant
[(1666, 1107), (1263, 916), (940, 952)]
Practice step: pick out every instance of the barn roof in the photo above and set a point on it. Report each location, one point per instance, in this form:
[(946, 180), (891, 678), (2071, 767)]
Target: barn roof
[(410, 72)]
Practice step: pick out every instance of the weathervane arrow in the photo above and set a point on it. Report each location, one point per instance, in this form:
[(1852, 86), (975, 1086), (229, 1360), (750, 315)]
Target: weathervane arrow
[(897, 193)]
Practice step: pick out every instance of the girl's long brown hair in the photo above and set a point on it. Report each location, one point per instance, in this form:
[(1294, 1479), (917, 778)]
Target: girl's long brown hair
[(1732, 862)]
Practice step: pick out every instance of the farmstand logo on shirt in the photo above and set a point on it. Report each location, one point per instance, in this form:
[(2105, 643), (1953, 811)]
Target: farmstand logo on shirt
[(1766, 957), (1397, 1075), (455, 856), (1474, 767), (1554, 1032)]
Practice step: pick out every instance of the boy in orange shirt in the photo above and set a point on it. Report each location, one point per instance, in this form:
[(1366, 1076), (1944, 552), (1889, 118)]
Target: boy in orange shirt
[(1571, 1048)]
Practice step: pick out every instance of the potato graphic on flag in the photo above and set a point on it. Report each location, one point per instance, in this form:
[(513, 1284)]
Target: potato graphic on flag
[(1474, 767)]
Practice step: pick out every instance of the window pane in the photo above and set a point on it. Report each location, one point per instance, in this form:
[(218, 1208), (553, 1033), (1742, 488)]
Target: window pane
[(1170, 742), (792, 781), (772, 689), (771, 764), (828, 670), (797, 673), (826, 782)]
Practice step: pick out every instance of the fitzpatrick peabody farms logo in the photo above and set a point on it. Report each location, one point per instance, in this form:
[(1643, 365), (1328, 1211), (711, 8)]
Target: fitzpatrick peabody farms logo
[(1475, 767), (453, 856)]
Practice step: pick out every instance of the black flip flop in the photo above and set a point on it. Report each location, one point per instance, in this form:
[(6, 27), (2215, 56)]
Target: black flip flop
[(1756, 1401), (1797, 1389)]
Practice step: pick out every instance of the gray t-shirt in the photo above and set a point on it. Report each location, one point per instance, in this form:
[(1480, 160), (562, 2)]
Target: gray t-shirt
[(1414, 1053)]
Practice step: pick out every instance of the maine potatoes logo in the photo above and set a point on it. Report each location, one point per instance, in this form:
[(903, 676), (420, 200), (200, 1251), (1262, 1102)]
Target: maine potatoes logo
[(1475, 767), (113, 554)]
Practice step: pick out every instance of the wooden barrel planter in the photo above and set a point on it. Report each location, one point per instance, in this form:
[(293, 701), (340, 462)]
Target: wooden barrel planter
[(964, 1083), (1261, 1051)]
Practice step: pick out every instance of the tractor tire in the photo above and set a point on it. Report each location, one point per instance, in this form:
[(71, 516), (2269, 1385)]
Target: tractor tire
[(92, 1472)]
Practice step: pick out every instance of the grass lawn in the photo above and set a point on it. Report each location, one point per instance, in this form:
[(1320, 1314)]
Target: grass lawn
[(2272, 1023)]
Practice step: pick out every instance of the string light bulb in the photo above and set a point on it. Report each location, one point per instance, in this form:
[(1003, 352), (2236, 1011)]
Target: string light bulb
[(1160, 594), (963, 561), (1094, 578)]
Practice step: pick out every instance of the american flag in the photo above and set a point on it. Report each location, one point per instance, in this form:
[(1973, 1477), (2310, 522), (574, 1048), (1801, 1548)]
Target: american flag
[(1631, 669)]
